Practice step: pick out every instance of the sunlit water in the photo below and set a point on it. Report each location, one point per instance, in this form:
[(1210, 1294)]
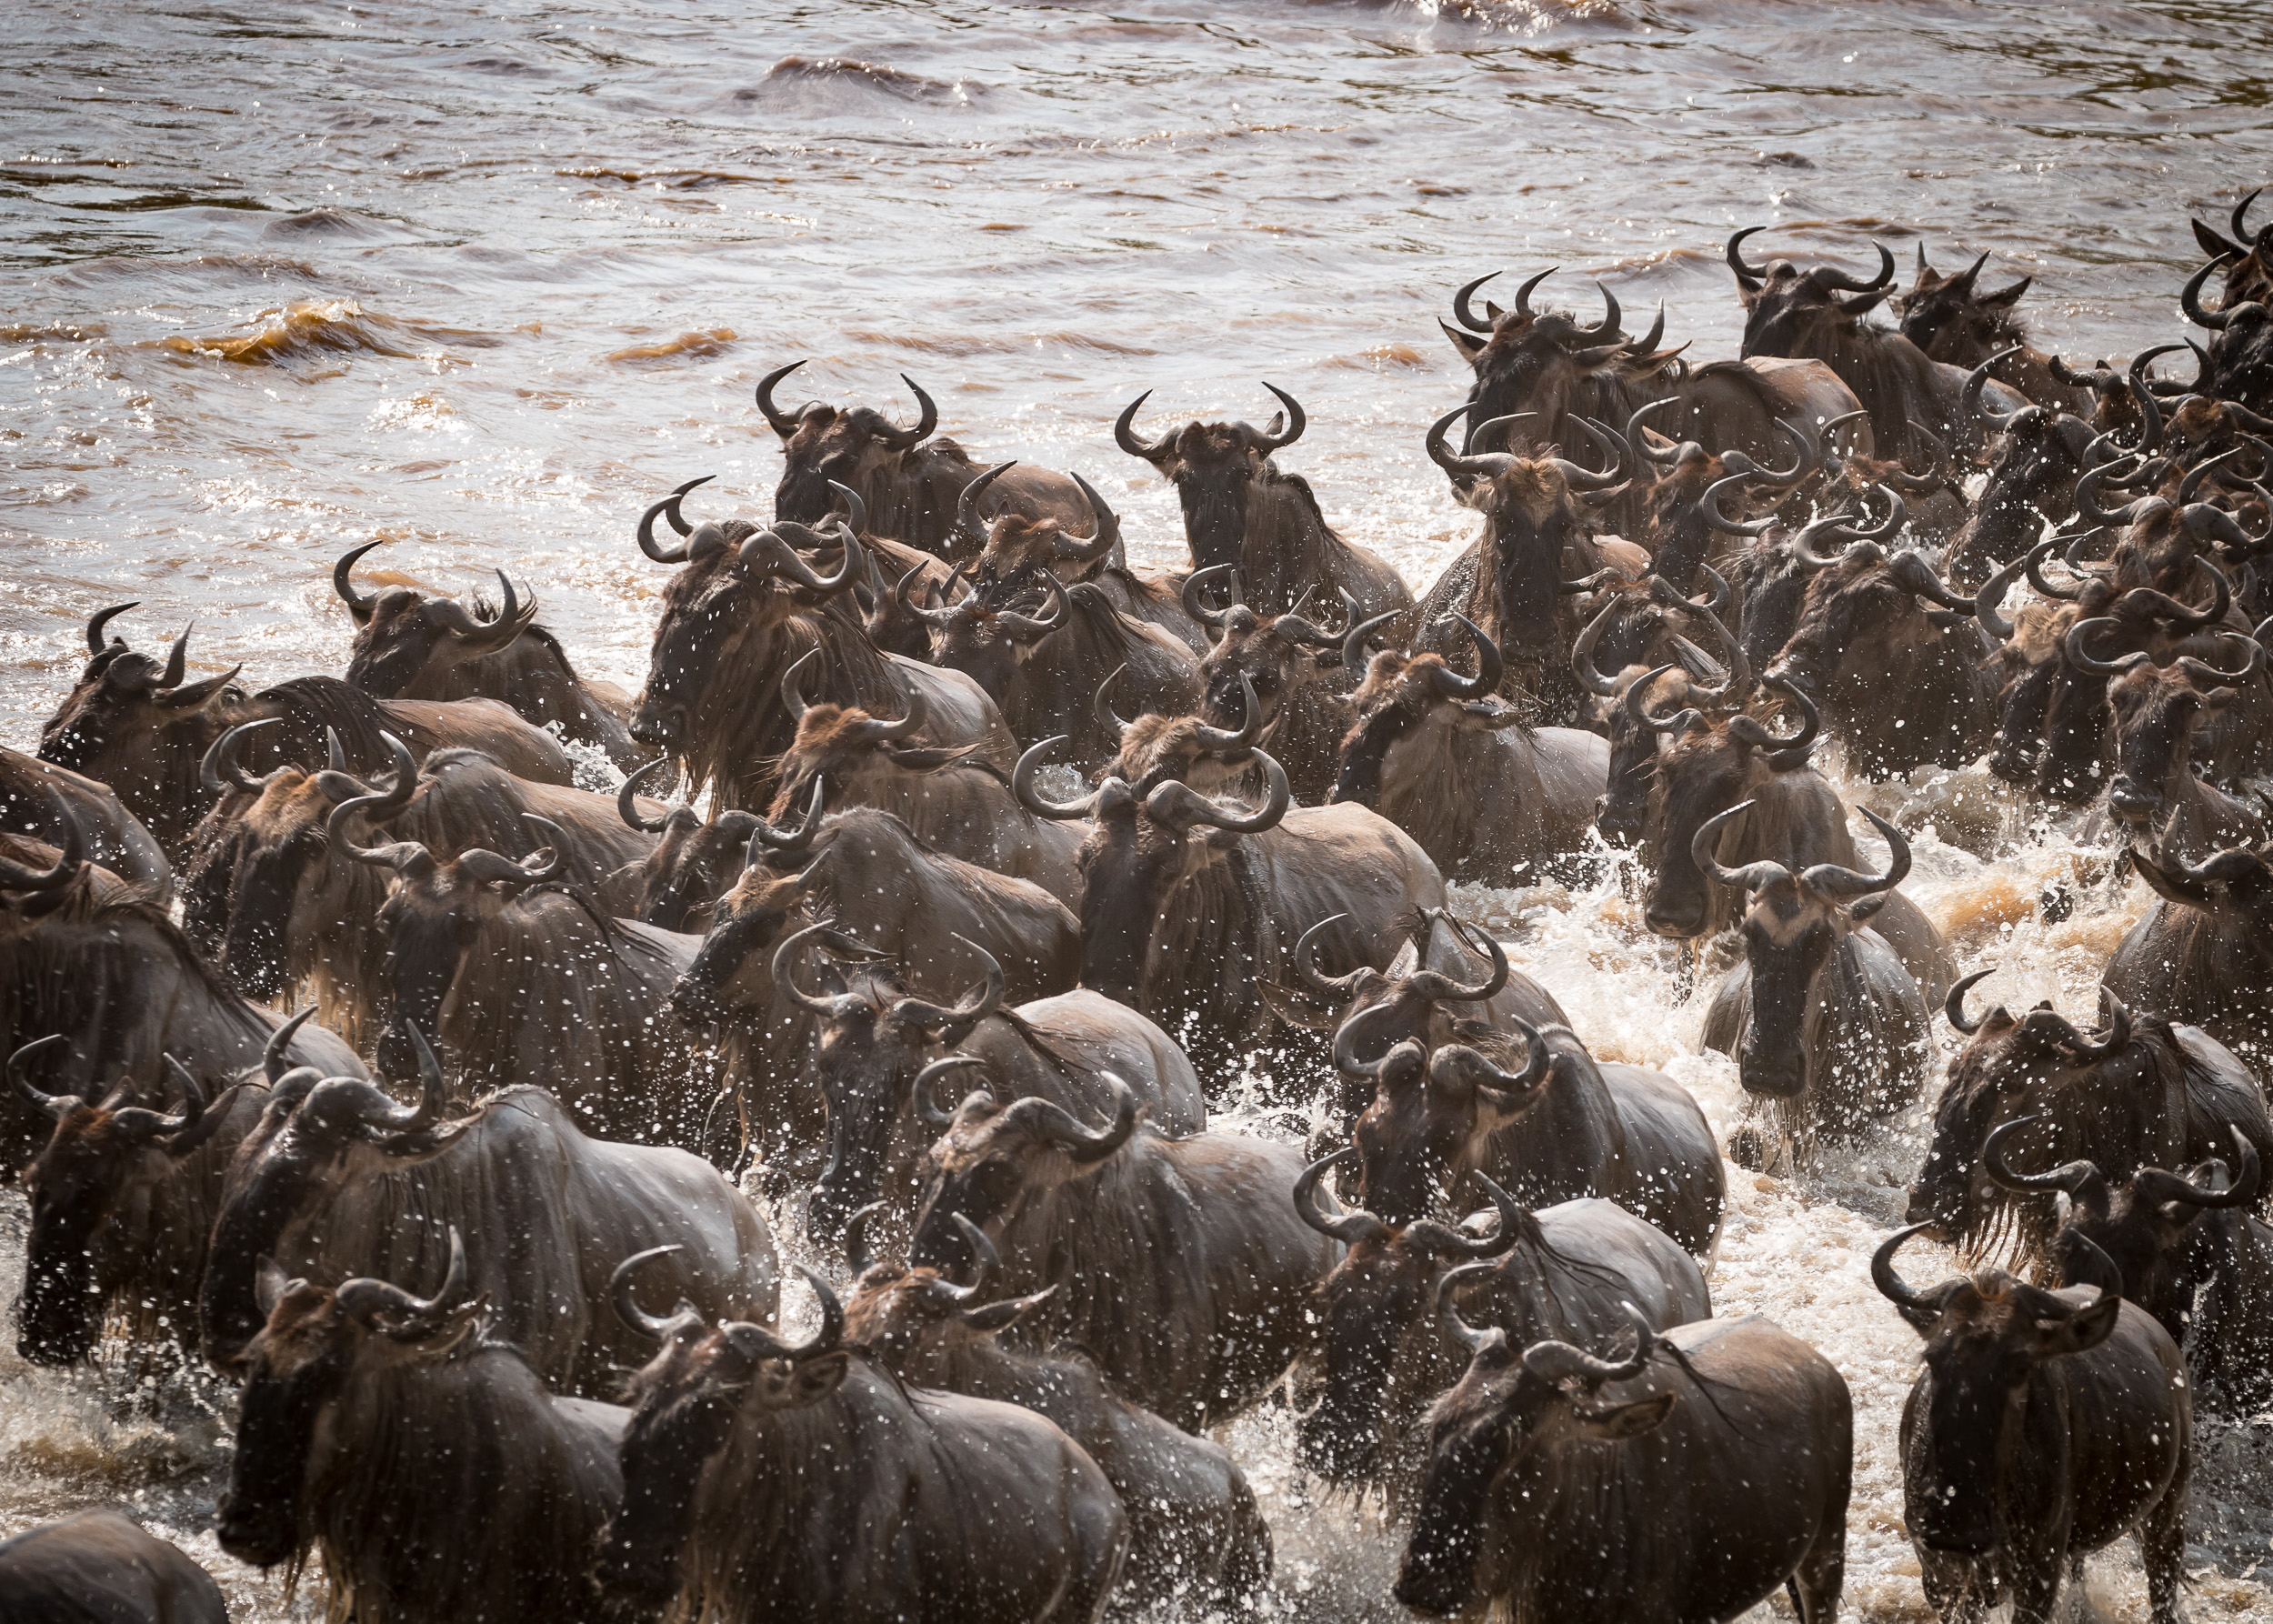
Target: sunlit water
[(485, 280)]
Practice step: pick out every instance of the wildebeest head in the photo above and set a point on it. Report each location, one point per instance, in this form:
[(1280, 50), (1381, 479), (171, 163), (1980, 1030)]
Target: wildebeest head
[(685, 1403), (405, 642), (1533, 508), (1430, 1115), (313, 1347), (2116, 1097), (990, 634), (1794, 925), (1707, 768), (917, 1321), (1402, 694), (1386, 1281), (312, 1136), (1543, 362), (2141, 1225), (1270, 655), (733, 969), (1861, 612), (101, 1163), (864, 758), (2155, 709), (995, 1160), (694, 863), (2247, 256), (134, 723), (824, 445), (1012, 552), (1987, 1339), (878, 1056), (1787, 312), (1952, 320), (1509, 1412), (2240, 364), (1216, 469), (2235, 885)]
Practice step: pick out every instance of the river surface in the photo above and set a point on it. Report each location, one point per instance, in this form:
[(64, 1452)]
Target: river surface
[(485, 280)]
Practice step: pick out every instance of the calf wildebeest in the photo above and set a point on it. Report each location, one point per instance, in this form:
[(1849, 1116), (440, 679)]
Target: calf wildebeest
[(2155, 799), (411, 646), (107, 968), (1559, 1128), (1446, 760), (1821, 1017), (2204, 952), (1195, 1532), (907, 481), (1691, 1479), (99, 1567), (956, 801), (1952, 321), (2044, 1424), (144, 731), (910, 1502), (2183, 1246), (524, 981), (865, 873), (1912, 401), (1517, 579), (123, 1200), (30, 789), (1180, 1264), (1565, 1271), (743, 607), (1542, 362), (694, 863), (422, 1460), (881, 1048), (284, 903), (2036, 455), (2143, 1093), (1187, 905), (1240, 508), (337, 1179), (1791, 816)]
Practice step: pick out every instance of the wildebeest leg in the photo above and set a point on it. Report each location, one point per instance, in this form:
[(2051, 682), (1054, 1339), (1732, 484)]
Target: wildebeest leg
[(1816, 1582), (2033, 1578), (2162, 1545), (1101, 1538), (1957, 1588)]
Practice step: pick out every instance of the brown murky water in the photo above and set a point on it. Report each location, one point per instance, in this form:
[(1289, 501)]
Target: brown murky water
[(484, 280)]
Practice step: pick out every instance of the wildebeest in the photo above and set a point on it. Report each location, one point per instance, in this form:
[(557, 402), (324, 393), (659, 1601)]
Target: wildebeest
[(1186, 904), (1446, 760), (1912, 401), (97, 1566), (1240, 508), (694, 862), (1195, 1534), (1180, 1264), (2142, 1093), (864, 872), (525, 981), (910, 1502), (1820, 1016), (1952, 321), (337, 1179), (2238, 365), (30, 789), (881, 1049), (2155, 798), (1559, 1127), (123, 1198), (2247, 272), (2183, 1245), (2035, 459), (2044, 1424), (107, 968), (1564, 1271), (907, 481), (422, 1460), (411, 646), (143, 730), (743, 607), (1690, 1479), (2203, 954)]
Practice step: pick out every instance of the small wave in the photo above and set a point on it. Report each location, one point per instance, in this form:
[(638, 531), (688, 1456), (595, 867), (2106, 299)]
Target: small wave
[(327, 225), (62, 332), (309, 327), (698, 344), (826, 84), (986, 344)]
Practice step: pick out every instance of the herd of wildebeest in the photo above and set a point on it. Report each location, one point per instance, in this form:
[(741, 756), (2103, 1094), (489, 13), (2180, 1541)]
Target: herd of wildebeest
[(1017, 860)]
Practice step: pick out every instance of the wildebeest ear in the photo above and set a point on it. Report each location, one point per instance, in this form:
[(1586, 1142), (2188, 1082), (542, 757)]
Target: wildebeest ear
[(1469, 345), (2213, 244), (1294, 1008), (269, 1284), (1625, 1420), (814, 1379), (1862, 907), (2172, 886), (2080, 1331), (2006, 295)]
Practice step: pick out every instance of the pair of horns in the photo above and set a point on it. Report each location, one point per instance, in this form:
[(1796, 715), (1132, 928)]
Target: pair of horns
[(751, 1340), (892, 440), (479, 636), (134, 1122), (163, 687), (981, 1001), (1265, 440), (1355, 1225), (1829, 879), (1431, 985)]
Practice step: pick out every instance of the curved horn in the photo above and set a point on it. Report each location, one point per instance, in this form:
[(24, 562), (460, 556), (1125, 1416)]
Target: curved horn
[(978, 1004), (487, 637), (1991, 597), (765, 837), (372, 1301), (656, 551), (1752, 876), (1218, 741), (1295, 423), (778, 420), (1466, 316), (57, 1106), (2202, 671), (1558, 1362), (946, 615), (1840, 281), (1969, 397), (275, 1057), (1523, 294), (1198, 610), (1954, 1005), (2072, 646), (1743, 727), (2241, 1192), (2069, 1177), (1607, 442), (920, 1091), (1833, 880), (770, 555), (1441, 988), (220, 769), (1748, 276), (1022, 784), (1611, 316), (1179, 805), (2190, 297), (1496, 1242), (1893, 1288), (487, 865), (784, 967), (71, 855), (1103, 538), (1125, 433), (1351, 1228), (1709, 505), (1101, 705), (1804, 454), (986, 1261), (1353, 645), (1640, 441), (1444, 457), (970, 530), (1582, 664), (1489, 667), (1336, 988), (1476, 1341), (857, 1257), (2086, 1051), (926, 419), (627, 803), (913, 715), (685, 1318), (359, 607), (1031, 628), (101, 618)]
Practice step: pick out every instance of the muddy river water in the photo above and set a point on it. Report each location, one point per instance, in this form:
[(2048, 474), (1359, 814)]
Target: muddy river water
[(278, 280)]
